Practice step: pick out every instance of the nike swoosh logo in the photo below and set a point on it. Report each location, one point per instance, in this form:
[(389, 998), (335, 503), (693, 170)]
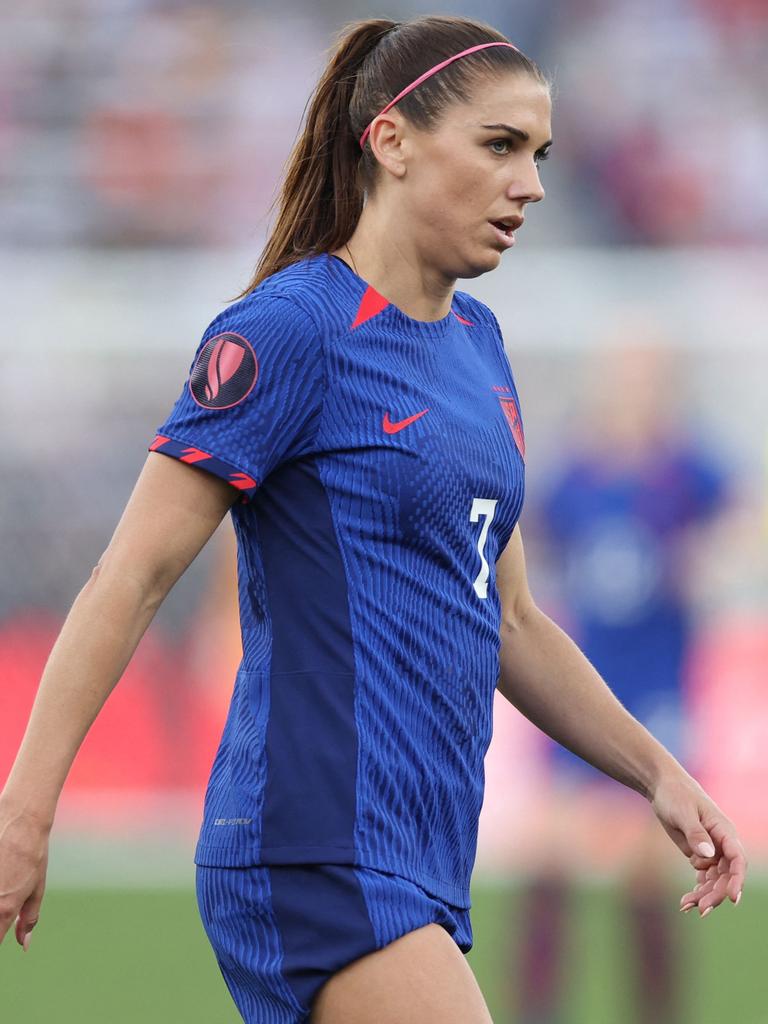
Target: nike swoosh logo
[(392, 428)]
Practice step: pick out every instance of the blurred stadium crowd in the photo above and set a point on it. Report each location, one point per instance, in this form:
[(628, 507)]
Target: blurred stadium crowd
[(159, 122)]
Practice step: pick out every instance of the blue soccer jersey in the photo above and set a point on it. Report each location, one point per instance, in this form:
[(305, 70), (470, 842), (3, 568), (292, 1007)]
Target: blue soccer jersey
[(379, 461)]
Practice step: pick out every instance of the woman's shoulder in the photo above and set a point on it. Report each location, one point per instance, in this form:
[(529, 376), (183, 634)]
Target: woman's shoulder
[(474, 310), (294, 291), (289, 295)]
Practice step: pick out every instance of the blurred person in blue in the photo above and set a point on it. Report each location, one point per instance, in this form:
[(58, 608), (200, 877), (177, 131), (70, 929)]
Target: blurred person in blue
[(620, 515), (359, 419)]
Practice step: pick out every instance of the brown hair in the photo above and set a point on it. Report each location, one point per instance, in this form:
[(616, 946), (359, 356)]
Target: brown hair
[(327, 173)]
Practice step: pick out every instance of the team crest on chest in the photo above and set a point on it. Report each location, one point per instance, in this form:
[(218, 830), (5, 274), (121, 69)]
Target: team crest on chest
[(512, 414)]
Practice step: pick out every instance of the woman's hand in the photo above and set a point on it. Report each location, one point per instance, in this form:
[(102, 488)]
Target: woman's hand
[(706, 836), (23, 865)]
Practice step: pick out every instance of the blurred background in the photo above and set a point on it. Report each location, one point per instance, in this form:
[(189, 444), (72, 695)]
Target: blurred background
[(141, 144)]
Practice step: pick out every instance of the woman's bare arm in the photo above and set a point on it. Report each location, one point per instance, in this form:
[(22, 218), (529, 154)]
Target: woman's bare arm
[(173, 510)]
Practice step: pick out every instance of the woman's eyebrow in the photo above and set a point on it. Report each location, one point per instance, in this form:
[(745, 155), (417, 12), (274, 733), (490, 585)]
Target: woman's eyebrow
[(518, 132)]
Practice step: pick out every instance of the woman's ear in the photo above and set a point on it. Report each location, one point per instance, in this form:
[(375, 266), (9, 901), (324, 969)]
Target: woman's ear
[(387, 138)]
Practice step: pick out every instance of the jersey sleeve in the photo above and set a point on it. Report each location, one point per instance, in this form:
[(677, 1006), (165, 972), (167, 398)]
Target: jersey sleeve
[(253, 396)]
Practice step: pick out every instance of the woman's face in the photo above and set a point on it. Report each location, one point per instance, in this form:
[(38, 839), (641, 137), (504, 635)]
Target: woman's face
[(454, 182)]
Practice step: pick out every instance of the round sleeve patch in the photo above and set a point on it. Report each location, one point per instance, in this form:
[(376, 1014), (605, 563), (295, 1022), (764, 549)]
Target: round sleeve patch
[(224, 373)]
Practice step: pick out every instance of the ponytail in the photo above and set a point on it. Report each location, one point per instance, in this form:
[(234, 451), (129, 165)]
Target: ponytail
[(327, 174), (321, 196)]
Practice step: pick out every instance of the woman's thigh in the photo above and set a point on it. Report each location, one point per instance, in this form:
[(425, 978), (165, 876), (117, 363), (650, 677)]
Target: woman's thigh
[(420, 978)]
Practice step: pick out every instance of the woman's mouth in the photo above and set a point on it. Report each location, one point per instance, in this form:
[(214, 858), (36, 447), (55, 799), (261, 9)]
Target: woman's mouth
[(506, 235)]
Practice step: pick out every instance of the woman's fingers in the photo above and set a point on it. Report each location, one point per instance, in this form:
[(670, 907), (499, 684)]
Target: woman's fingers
[(737, 864), (732, 865), (715, 896), (698, 862), (718, 881), (690, 899)]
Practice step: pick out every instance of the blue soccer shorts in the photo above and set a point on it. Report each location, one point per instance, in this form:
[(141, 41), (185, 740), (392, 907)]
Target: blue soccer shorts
[(280, 932)]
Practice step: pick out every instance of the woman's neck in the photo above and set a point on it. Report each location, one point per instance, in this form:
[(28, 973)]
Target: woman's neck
[(396, 272)]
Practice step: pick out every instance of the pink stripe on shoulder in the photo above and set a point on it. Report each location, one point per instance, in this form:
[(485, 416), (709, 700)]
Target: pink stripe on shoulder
[(467, 322), (370, 305)]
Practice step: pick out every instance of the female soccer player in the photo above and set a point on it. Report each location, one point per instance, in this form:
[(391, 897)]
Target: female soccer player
[(359, 419)]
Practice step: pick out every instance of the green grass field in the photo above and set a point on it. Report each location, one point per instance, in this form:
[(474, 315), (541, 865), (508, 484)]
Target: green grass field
[(123, 957)]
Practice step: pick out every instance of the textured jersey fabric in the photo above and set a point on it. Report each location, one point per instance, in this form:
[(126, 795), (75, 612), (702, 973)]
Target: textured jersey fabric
[(379, 461), (281, 931)]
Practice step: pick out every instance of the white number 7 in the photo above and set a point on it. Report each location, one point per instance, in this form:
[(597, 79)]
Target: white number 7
[(482, 507)]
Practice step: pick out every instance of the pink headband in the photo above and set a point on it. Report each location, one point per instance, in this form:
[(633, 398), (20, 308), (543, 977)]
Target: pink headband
[(421, 78)]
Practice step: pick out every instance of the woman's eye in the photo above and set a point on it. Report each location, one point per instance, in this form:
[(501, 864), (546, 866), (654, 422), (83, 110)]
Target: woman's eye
[(538, 157)]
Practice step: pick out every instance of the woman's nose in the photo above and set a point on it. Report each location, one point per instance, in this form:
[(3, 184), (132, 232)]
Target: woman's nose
[(530, 190), (536, 189)]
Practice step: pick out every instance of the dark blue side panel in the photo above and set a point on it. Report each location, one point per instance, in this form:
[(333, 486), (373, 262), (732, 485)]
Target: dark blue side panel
[(311, 739)]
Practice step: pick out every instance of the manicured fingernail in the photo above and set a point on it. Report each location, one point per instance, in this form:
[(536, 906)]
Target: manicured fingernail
[(27, 940), (736, 901), (706, 849), (688, 906), (707, 911)]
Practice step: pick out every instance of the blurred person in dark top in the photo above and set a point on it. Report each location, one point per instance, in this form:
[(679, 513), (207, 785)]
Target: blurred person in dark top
[(620, 516)]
